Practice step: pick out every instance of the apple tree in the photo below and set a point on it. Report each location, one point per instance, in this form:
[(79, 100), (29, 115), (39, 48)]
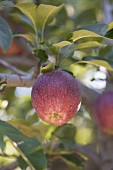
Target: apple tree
[(56, 85)]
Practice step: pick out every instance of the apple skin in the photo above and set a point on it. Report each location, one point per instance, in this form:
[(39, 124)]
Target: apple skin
[(14, 49), (56, 97), (103, 112)]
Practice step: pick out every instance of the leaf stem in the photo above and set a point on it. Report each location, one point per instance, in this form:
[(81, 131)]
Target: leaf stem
[(42, 35), (36, 39), (22, 154), (57, 60)]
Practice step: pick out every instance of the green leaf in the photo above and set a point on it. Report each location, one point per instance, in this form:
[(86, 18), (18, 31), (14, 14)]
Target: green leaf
[(110, 26), (88, 44), (66, 134), (97, 61), (55, 48), (40, 16), (41, 54), (100, 29), (77, 35), (29, 148), (69, 36), (30, 10), (22, 164), (67, 62), (2, 142), (46, 14), (48, 68), (5, 35), (109, 33), (72, 158), (2, 85), (38, 159), (28, 37), (66, 52)]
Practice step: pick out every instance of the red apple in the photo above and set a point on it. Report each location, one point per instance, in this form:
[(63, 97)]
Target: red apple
[(14, 49), (56, 97), (103, 112)]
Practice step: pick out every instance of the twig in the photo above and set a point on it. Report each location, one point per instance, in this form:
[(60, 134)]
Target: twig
[(21, 61), (24, 80), (37, 69), (17, 81), (11, 67)]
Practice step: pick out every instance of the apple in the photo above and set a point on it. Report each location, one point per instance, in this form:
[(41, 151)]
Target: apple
[(103, 112), (14, 49), (56, 97)]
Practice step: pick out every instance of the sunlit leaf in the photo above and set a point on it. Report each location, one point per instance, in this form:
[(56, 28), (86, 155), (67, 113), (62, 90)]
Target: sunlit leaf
[(109, 33), (110, 26), (29, 148), (2, 85), (5, 35), (48, 68), (100, 29), (55, 48), (28, 37), (77, 35), (105, 30), (98, 61), (40, 16), (29, 9), (88, 44), (66, 52), (46, 14)]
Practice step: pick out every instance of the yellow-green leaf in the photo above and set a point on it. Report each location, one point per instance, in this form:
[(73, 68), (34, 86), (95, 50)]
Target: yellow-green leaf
[(55, 48), (29, 9), (5, 35), (84, 34), (110, 26), (40, 16), (48, 68), (46, 14), (28, 37), (97, 63), (88, 45)]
